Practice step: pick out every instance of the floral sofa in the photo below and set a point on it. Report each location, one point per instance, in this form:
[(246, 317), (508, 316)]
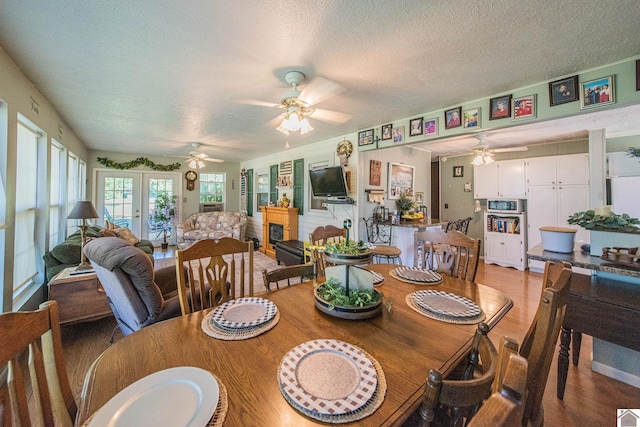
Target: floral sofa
[(211, 225)]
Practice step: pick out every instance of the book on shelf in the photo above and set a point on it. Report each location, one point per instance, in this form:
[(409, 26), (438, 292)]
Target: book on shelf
[(509, 225)]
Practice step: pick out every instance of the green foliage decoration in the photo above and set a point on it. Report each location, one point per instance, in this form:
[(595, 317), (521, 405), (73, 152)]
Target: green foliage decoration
[(405, 203), (334, 293), (591, 221), (633, 152), (140, 161)]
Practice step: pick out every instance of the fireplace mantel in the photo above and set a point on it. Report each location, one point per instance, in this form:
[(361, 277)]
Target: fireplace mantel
[(287, 217)]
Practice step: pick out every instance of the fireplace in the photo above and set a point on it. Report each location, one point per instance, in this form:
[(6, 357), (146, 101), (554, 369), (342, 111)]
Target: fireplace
[(276, 233), (278, 224)]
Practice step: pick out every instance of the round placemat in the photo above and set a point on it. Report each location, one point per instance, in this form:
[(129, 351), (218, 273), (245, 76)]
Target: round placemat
[(460, 321), (220, 413), (393, 274), (364, 411), (212, 329)]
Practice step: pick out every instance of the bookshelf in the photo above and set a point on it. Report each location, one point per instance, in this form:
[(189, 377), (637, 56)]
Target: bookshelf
[(505, 242)]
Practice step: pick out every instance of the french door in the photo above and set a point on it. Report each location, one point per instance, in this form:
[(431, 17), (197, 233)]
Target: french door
[(127, 199)]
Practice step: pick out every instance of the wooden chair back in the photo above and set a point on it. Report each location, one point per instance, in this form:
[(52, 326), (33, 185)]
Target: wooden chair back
[(48, 387), (452, 253), (207, 279), (452, 401), (303, 271), (319, 237), (538, 346), (505, 407)]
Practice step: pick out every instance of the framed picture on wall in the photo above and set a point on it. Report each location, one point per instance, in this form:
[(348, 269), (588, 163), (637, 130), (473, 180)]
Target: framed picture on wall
[(524, 107), (563, 91), (458, 171), (595, 93), (500, 108), (419, 197), (365, 137), (430, 127), (375, 171), (471, 118), (415, 127), (401, 180), (638, 74), (386, 131), (398, 134), (452, 118)]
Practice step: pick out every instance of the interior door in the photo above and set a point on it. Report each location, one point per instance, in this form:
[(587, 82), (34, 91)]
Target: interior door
[(118, 198)]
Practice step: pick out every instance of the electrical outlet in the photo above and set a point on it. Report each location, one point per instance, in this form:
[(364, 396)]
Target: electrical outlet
[(446, 205)]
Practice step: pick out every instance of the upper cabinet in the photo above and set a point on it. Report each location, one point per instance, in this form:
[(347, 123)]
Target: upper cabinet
[(558, 170), (621, 164), (503, 179)]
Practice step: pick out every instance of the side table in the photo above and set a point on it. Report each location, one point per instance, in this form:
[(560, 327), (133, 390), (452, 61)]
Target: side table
[(80, 297)]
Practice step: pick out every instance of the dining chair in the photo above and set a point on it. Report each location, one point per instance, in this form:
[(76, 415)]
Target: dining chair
[(452, 253), (461, 225), (303, 271), (452, 401), (319, 237), (538, 345), (379, 234), (206, 279), (47, 389), (504, 407)]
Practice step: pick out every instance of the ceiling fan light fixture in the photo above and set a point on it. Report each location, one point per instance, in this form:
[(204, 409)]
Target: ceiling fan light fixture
[(305, 126), (482, 157)]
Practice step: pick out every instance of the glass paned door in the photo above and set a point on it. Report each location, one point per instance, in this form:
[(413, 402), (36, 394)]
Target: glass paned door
[(118, 195), (155, 184)]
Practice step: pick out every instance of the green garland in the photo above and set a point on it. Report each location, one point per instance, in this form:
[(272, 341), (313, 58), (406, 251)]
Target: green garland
[(140, 161)]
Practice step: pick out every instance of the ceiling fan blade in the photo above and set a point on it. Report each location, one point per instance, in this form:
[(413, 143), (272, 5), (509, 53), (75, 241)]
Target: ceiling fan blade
[(319, 89), (330, 116), (211, 159), (510, 149), (256, 102), (175, 156), (275, 122)]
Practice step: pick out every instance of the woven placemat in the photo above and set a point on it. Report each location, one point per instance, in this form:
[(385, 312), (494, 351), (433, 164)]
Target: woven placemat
[(458, 320), (367, 409), (214, 330), (393, 274), (220, 413)]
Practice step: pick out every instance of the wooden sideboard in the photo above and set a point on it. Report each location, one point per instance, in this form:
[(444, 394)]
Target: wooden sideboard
[(287, 218), (604, 308)]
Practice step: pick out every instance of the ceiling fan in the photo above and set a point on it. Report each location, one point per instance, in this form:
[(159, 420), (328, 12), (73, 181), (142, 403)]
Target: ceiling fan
[(299, 105), (197, 159), (483, 155)]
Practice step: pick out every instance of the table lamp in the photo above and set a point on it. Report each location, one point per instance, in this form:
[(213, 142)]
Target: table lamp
[(83, 210)]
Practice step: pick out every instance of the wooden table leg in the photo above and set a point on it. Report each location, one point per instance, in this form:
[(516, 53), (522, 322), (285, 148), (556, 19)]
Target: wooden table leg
[(563, 360), (576, 337)]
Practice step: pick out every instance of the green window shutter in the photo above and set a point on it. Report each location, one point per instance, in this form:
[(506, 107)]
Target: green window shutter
[(250, 192), (298, 185), (273, 179)]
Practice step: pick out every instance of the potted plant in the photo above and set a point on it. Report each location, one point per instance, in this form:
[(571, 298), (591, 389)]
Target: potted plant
[(601, 223), (165, 210), (405, 203)]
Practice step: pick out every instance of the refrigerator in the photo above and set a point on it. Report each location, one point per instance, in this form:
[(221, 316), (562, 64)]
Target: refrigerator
[(624, 195)]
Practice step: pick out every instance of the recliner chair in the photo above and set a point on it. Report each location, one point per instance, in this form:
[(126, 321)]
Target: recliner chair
[(138, 295)]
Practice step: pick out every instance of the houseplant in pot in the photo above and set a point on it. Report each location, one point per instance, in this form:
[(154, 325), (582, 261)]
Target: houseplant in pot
[(607, 228), (165, 210)]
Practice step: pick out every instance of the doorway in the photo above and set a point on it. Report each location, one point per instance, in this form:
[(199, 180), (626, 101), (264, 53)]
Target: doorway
[(127, 199), (435, 191)]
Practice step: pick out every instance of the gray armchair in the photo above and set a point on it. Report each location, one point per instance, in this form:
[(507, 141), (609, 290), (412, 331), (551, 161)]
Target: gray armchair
[(137, 295)]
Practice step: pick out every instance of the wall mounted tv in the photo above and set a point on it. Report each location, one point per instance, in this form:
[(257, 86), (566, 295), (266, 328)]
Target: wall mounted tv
[(328, 182)]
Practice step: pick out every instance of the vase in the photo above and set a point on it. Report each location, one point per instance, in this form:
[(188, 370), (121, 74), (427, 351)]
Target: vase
[(603, 239)]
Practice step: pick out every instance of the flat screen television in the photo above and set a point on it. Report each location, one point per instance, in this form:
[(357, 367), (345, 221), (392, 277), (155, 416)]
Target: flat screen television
[(328, 182)]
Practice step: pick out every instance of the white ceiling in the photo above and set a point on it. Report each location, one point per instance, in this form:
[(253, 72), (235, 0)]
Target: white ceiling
[(153, 76)]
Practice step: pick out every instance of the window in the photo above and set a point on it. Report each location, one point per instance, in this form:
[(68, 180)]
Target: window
[(72, 185), (57, 182), (25, 252), (156, 230), (3, 194), (262, 190), (118, 200), (212, 187)]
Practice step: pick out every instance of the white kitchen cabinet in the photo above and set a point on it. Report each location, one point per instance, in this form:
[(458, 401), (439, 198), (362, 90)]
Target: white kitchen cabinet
[(571, 169), (505, 241), (503, 179)]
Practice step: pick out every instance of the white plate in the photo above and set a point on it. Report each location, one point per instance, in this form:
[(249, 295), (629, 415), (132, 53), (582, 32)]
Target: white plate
[(244, 312), (182, 396), (328, 377)]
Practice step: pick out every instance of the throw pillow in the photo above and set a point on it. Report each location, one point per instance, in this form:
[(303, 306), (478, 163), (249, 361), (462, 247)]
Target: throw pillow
[(109, 225), (107, 233), (126, 234)]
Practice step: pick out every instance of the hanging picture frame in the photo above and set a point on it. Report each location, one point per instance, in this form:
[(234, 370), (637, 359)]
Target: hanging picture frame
[(415, 127), (401, 180), (375, 172)]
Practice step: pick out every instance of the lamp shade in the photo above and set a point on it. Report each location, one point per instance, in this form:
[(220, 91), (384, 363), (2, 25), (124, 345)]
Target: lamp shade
[(83, 210)]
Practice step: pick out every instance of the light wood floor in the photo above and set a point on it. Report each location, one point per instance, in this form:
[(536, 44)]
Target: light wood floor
[(591, 399)]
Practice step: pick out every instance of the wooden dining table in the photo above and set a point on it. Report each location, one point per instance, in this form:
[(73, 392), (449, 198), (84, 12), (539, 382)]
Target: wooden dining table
[(404, 342)]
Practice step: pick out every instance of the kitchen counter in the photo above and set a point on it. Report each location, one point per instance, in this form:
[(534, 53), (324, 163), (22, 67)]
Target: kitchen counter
[(581, 259)]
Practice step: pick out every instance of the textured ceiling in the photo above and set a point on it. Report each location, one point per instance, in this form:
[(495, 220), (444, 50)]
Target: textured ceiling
[(153, 76)]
